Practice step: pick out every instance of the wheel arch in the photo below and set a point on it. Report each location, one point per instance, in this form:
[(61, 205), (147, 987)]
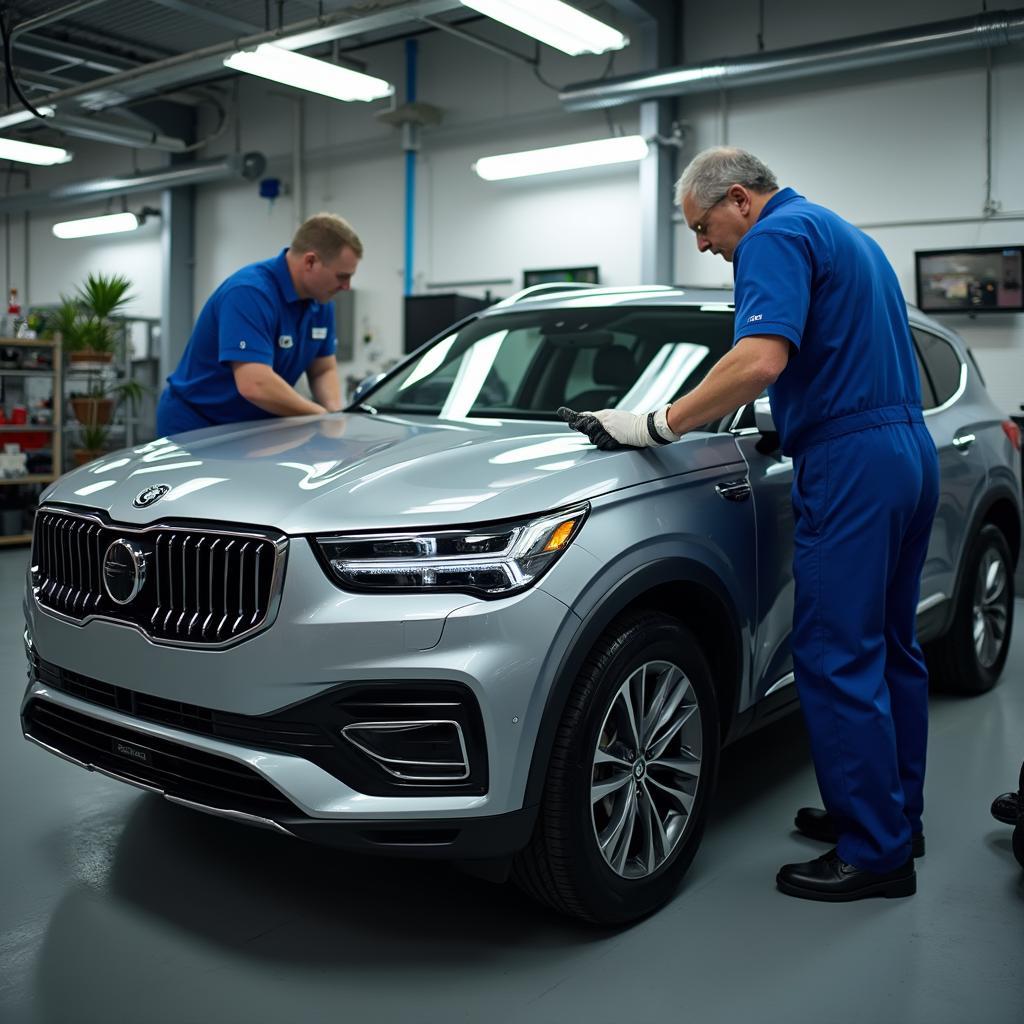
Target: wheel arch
[(1001, 508), (680, 587)]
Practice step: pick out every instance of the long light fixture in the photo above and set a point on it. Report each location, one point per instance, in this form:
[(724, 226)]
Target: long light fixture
[(32, 153), (620, 150), (554, 23), (109, 224), (21, 116), (302, 72)]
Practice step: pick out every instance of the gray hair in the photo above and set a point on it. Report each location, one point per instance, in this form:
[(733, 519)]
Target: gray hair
[(710, 173)]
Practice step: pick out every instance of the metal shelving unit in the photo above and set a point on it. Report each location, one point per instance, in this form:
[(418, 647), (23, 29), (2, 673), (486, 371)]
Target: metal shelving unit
[(55, 429)]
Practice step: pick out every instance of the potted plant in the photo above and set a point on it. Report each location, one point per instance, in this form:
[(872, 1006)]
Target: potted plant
[(84, 321), (95, 406), (94, 444)]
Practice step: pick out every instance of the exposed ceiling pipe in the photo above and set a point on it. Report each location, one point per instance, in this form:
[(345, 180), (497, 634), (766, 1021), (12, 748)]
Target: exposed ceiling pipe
[(248, 166), (118, 134), (209, 60), (989, 30), (31, 24)]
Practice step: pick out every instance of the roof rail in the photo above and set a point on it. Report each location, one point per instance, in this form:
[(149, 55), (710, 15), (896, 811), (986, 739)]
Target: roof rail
[(541, 289)]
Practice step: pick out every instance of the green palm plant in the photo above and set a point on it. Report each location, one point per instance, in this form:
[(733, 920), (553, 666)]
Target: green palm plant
[(104, 295), (84, 320)]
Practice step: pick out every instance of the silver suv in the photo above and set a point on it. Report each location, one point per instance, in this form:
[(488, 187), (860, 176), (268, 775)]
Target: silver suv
[(442, 624)]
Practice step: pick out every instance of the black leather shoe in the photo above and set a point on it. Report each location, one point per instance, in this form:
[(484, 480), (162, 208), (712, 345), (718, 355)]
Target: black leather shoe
[(832, 880), (1006, 808), (815, 823)]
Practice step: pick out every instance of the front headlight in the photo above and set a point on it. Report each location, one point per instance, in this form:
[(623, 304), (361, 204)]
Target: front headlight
[(488, 561)]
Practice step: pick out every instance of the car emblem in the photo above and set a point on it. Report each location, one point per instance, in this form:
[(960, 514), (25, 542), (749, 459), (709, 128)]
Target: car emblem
[(124, 571), (150, 495)]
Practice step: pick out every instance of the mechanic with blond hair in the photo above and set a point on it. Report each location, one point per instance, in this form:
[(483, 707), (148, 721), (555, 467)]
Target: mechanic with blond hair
[(265, 326)]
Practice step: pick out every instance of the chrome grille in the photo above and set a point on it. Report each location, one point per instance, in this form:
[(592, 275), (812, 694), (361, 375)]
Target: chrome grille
[(201, 587)]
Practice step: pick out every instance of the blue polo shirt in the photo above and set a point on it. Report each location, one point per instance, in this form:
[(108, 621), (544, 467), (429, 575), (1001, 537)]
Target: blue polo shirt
[(255, 316), (804, 273)]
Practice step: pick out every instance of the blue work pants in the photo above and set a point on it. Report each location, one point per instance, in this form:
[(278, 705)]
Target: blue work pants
[(864, 504)]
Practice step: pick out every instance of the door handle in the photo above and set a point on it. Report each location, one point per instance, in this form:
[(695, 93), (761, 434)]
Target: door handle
[(963, 441), (734, 490)]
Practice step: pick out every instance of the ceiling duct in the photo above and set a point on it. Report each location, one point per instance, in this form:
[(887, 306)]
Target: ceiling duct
[(119, 134), (248, 166), (989, 30)]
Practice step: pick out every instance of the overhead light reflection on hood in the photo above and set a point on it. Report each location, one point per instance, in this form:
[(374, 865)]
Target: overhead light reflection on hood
[(93, 488)]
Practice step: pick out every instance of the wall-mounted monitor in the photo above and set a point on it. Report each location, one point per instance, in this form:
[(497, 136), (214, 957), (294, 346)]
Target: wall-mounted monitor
[(989, 280), (560, 275)]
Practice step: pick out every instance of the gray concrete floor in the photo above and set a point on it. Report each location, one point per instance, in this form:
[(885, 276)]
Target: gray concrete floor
[(120, 907)]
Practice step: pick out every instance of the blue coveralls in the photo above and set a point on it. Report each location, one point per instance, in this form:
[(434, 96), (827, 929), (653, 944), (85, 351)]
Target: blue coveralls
[(865, 488), (255, 316)]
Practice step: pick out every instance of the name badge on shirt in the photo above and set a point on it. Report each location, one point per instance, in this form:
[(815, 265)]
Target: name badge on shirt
[(319, 333), (285, 341)]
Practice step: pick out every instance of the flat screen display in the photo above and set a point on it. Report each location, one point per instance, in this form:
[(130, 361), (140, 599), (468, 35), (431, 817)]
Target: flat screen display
[(578, 275), (971, 280)]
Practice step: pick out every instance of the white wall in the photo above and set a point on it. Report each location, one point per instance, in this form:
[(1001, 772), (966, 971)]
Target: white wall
[(882, 147), (903, 143), (466, 229), (42, 266)]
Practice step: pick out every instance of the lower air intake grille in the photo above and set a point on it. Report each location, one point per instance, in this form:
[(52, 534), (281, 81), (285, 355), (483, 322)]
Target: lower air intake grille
[(176, 584), (176, 769)]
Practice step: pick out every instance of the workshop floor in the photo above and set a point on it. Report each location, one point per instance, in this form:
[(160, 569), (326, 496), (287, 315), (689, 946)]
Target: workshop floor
[(119, 907)]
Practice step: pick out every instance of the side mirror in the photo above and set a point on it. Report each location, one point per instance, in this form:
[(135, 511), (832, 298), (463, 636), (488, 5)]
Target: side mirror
[(765, 423), (365, 385), (763, 415)]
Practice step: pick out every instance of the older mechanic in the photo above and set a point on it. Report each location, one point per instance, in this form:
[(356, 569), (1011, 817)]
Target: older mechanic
[(820, 322), (265, 326)]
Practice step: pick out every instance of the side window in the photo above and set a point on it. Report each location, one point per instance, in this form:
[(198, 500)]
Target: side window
[(941, 364), (927, 391)]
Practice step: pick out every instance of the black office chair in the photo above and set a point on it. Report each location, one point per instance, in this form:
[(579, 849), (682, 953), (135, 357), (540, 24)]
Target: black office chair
[(614, 374)]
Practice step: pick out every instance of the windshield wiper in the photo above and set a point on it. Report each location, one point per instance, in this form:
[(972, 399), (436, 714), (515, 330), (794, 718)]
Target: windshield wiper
[(363, 407)]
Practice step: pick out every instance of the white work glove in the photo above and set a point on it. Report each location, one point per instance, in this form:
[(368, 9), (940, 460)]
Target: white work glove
[(615, 428)]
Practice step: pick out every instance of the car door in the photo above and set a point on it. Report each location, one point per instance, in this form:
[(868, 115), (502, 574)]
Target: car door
[(770, 474), (961, 467)]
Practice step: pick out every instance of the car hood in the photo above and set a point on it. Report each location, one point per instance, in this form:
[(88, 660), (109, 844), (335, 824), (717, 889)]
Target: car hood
[(357, 471)]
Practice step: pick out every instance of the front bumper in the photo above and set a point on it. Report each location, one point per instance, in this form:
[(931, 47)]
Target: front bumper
[(232, 782), (322, 642)]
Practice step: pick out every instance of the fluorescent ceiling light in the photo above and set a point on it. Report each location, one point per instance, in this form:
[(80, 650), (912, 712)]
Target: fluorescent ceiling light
[(111, 224), (21, 116), (301, 72), (554, 23), (621, 150), (31, 153)]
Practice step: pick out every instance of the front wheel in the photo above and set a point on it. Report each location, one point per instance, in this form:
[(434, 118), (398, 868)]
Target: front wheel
[(631, 775), (969, 658)]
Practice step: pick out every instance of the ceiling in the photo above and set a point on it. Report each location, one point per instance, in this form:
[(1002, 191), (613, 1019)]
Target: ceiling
[(153, 62)]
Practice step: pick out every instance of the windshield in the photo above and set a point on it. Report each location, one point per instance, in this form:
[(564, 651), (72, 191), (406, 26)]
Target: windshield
[(524, 365)]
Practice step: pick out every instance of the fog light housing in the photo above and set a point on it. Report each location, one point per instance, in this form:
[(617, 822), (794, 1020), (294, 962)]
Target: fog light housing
[(414, 751)]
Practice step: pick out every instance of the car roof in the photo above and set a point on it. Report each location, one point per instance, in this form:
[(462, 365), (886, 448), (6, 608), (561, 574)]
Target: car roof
[(575, 297)]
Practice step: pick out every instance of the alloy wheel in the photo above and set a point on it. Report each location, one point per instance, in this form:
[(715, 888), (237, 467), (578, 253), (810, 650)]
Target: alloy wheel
[(990, 608), (646, 769)]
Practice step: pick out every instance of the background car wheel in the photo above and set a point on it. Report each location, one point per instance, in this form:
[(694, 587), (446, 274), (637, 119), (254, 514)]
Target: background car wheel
[(631, 776), (970, 656), (1018, 832)]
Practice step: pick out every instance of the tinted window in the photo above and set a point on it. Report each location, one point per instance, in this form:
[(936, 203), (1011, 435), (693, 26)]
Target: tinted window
[(526, 364), (927, 391), (941, 364)]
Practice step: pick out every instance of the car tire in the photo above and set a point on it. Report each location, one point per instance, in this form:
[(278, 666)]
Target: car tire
[(969, 657), (647, 660)]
